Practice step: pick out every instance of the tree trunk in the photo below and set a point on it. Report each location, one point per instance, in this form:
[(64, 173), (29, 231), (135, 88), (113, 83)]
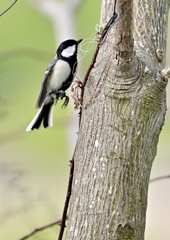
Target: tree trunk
[(123, 113)]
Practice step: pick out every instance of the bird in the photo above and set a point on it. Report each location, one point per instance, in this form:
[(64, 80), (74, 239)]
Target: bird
[(56, 80)]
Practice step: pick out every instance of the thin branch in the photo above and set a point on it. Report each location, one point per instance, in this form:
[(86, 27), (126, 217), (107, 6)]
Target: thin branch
[(86, 78), (40, 229), (64, 216), (102, 39), (114, 10), (159, 178), (8, 8)]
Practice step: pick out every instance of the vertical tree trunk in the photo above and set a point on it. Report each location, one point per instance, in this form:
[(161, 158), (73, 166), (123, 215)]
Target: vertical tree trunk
[(123, 113)]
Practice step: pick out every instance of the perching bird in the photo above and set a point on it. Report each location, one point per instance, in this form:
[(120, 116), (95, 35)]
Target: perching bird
[(57, 79)]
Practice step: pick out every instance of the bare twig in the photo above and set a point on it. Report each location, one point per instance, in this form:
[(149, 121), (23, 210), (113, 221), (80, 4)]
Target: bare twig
[(102, 38), (159, 178), (8, 8), (40, 229), (88, 72), (64, 216)]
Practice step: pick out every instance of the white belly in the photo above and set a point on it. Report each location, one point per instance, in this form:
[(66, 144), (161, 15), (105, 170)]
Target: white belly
[(59, 75)]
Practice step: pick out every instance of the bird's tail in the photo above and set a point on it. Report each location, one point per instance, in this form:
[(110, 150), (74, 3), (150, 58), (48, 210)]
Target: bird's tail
[(45, 115)]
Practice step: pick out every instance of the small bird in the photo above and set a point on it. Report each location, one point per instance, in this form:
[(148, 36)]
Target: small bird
[(57, 79)]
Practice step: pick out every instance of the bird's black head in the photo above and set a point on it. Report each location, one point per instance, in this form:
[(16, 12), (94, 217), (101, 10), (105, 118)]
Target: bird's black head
[(68, 48)]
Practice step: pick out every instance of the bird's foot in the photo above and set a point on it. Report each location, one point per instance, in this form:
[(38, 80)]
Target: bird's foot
[(61, 94)]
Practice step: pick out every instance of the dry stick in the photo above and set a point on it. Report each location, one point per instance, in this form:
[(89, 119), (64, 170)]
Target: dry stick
[(88, 73), (8, 8), (100, 43), (159, 178), (87, 76), (40, 229), (64, 216)]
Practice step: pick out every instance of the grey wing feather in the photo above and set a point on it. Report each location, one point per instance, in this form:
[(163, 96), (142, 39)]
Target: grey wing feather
[(43, 90)]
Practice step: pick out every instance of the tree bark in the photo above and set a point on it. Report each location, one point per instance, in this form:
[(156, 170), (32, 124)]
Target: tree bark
[(123, 112)]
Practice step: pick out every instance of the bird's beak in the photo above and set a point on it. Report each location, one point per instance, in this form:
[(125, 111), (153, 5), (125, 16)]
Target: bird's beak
[(79, 41)]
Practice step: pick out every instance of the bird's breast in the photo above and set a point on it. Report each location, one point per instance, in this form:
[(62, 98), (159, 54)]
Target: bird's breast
[(60, 74)]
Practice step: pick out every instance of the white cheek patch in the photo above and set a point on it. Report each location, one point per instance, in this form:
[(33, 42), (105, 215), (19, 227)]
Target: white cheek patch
[(69, 51)]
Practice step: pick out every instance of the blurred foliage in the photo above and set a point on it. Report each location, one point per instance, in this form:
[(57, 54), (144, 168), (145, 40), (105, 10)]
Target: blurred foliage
[(34, 166), (36, 194)]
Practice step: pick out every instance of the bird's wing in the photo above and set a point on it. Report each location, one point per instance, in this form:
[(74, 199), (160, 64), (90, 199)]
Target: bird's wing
[(44, 84)]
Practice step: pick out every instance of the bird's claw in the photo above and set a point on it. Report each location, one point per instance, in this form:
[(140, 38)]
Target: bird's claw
[(61, 94), (66, 101)]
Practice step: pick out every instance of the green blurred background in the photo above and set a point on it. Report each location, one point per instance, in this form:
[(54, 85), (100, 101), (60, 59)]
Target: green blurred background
[(34, 166)]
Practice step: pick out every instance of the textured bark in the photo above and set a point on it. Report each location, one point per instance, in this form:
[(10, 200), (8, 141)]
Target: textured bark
[(123, 113)]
